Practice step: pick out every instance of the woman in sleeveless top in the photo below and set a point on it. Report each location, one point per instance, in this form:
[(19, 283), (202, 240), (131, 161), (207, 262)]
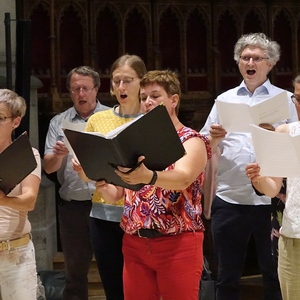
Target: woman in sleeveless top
[(289, 239)]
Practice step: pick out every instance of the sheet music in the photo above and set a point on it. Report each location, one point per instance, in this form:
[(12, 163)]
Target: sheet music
[(278, 154), (236, 117)]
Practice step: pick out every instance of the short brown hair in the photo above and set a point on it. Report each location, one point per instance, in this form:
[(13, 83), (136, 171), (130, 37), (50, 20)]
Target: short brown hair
[(167, 79)]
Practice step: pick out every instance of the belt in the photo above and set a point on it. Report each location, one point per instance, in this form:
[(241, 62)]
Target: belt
[(148, 233), (22, 241)]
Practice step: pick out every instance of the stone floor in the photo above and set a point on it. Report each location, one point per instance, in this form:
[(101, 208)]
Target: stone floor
[(251, 289)]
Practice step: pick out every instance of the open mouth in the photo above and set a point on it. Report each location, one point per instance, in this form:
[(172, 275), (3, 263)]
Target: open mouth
[(123, 96), (251, 72)]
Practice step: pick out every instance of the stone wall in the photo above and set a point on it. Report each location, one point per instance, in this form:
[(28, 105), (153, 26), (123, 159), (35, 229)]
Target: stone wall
[(43, 222)]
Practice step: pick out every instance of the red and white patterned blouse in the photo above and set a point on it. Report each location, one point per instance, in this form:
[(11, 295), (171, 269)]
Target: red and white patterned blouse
[(168, 211)]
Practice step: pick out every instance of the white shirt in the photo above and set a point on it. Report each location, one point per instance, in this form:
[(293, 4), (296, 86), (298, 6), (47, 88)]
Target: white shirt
[(291, 214), (233, 185)]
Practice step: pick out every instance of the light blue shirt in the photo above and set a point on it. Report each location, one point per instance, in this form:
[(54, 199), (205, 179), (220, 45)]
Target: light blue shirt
[(72, 187), (233, 185)]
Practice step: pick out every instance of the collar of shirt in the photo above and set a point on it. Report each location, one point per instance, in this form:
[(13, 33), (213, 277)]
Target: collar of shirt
[(75, 116), (262, 90)]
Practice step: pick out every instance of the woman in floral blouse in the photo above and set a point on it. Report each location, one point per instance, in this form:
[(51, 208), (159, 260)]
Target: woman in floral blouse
[(163, 239)]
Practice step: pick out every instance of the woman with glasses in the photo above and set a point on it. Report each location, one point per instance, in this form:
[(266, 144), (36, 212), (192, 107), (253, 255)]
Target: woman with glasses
[(18, 276), (106, 234)]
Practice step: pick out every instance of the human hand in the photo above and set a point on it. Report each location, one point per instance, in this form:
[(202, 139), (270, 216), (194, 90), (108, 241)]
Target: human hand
[(138, 174), (267, 126), (76, 165), (100, 185), (252, 171), (216, 131), (60, 149)]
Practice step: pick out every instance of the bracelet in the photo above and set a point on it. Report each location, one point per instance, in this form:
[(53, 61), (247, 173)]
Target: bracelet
[(154, 178)]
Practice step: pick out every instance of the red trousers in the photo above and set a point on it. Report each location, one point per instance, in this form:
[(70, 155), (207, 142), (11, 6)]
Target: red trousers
[(169, 267)]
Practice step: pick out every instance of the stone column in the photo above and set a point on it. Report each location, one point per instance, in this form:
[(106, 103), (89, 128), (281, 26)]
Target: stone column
[(43, 217), (43, 222), (7, 6)]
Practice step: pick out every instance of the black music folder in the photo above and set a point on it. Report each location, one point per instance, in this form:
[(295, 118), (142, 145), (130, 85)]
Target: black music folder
[(17, 161), (152, 135)]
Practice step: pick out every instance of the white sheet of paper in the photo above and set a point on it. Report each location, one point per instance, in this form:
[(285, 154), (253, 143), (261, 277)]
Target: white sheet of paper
[(236, 117), (73, 126), (278, 154)]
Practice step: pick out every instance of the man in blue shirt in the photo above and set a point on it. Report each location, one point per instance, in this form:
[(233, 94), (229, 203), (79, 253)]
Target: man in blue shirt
[(74, 210), (237, 211)]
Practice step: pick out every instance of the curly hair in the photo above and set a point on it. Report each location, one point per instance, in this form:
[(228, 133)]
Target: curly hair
[(260, 40)]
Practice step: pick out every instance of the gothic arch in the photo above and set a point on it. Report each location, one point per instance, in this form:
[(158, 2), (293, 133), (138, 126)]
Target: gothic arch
[(137, 32), (44, 4), (254, 21), (227, 35), (71, 47), (108, 36), (197, 45), (201, 11), (140, 9), (170, 38), (282, 33), (40, 43)]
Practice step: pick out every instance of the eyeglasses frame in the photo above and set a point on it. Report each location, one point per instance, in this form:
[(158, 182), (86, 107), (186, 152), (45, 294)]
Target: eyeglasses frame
[(2, 121), (295, 99), (84, 90), (256, 59)]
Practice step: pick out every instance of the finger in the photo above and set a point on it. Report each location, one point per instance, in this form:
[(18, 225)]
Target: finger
[(141, 158), (125, 179)]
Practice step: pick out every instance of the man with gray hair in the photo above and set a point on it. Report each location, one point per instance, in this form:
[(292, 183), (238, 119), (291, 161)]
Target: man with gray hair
[(83, 84), (237, 211)]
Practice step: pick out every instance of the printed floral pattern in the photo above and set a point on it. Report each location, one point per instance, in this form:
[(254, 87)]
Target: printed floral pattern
[(168, 211)]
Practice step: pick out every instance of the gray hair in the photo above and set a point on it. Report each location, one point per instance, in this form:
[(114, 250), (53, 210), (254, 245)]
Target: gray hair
[(296, 80), (258, 39), (84, 71), (15, 103)]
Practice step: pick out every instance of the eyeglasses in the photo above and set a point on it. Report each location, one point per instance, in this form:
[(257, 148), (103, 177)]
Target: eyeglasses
[(255, 59), (296, 100), (126, 81), (81, 89), (3, 119)]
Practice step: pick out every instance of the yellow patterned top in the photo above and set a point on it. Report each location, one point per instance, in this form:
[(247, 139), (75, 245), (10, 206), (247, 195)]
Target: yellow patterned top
[(104, 122)]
